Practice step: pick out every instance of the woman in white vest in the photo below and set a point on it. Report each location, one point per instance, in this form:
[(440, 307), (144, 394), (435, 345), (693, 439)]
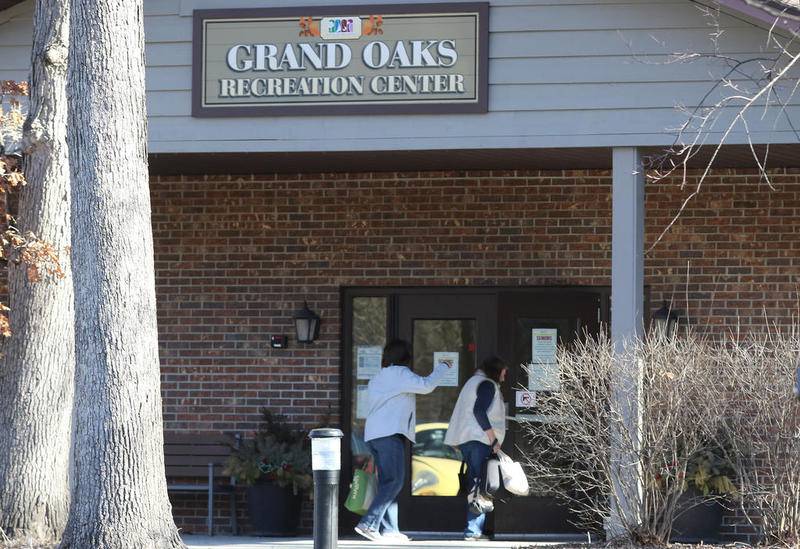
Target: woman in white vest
[(391, 419), (478, 427)]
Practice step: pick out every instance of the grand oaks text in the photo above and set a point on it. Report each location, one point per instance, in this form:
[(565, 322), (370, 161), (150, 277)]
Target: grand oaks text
[(335, 56)]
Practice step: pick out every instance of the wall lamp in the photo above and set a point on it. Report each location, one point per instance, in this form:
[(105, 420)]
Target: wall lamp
[(665, 320), (306, 324)]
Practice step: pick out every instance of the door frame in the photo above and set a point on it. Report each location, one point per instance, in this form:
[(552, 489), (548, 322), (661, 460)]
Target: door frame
[(347, 293)]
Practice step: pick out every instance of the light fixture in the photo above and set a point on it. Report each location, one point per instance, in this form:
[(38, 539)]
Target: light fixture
[(306, 323), (665, 320)]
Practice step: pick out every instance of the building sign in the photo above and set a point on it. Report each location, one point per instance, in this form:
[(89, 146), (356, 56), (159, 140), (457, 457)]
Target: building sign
[(409, 58)]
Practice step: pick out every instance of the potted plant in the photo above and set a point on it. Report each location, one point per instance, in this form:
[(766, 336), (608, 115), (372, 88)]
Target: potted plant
[(709, 480), (275, 465)]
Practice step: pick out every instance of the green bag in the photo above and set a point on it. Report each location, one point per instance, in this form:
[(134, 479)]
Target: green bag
[(362, 491)]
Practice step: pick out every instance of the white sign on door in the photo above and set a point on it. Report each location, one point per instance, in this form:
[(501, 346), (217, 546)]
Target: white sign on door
[(543, 374), (368, 361), (362, 402), (450, 379)]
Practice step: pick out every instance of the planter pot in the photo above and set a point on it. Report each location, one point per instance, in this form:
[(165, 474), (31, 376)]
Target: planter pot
[(274, 511), (699, 523)]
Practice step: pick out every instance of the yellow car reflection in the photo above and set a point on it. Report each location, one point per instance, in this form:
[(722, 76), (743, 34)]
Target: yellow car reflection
[(434, 465)]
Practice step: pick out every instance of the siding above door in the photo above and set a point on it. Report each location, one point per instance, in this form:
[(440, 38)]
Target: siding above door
[(562, 73)]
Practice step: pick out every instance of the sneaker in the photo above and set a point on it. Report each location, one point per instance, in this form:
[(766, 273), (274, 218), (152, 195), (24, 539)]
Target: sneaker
[(395, 537), (476, 537), (372, 535)]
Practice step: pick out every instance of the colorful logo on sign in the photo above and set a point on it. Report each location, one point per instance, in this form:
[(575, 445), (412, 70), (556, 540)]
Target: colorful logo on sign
[(341, 28)]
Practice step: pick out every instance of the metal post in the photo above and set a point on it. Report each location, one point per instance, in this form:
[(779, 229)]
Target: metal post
[(326, 461)]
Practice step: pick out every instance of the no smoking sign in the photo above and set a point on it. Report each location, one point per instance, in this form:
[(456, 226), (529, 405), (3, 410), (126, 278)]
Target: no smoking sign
[(526, 399)]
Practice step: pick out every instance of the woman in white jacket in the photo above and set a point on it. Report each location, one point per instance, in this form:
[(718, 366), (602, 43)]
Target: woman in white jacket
[(478, 427), (391, 418)]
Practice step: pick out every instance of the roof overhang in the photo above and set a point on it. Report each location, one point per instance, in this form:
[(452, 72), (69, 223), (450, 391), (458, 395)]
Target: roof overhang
[(598, 158), (771, 13)]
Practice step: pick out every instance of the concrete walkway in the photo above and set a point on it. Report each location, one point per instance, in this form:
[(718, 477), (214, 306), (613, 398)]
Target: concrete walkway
[(242, 542)]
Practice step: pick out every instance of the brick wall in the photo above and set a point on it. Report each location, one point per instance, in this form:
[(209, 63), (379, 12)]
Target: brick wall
[(236, 256), (733, 257)]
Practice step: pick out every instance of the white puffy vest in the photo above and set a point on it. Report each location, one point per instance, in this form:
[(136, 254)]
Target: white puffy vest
[(463, 425)]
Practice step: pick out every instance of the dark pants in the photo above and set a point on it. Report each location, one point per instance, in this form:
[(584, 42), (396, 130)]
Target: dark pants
[(475, 454), (390, 458)]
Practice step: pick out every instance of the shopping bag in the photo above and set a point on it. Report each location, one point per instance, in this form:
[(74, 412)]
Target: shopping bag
[(491, 477), (514, 479), (362, 491), (463, 482)]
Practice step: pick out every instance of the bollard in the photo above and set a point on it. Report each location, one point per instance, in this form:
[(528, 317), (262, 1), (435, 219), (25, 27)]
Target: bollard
[(326, 461)]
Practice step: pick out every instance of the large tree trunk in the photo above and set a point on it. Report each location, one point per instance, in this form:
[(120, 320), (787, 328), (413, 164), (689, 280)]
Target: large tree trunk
[(36, 372), (119, 496)]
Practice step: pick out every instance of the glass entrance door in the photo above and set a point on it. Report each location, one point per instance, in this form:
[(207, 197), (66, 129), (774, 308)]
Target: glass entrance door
[(462, 328), (533, 325)]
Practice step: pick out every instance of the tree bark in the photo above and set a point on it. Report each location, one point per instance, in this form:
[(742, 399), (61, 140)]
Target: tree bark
[(36, 372), (119, 498)]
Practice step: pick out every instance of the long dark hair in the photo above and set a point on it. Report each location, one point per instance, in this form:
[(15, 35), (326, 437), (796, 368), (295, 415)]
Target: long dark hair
[(397, 352), (493, 367)]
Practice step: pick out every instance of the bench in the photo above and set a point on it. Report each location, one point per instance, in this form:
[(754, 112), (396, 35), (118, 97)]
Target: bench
[(195, 457)]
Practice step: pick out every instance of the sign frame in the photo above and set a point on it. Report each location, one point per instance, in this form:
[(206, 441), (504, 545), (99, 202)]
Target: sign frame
[(479, 105)]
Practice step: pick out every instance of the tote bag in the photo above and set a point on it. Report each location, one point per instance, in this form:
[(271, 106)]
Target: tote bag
[(514, 479), (463, 482), (362, 491), (491, 476)]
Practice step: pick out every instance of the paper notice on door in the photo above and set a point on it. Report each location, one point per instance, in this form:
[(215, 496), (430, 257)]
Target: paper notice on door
[(543, 374), (368, 361), (450, 379), (525, 399), (362, 402)]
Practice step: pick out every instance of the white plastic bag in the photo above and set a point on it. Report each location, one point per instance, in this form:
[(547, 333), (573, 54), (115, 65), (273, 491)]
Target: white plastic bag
[(514, 479)]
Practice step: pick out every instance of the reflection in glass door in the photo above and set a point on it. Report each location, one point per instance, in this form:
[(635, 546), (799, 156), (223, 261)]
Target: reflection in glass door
[(434, 466), (368, 339)]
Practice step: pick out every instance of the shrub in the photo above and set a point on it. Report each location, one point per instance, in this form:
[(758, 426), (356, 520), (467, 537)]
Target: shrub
[(665, 415), (277, 453)]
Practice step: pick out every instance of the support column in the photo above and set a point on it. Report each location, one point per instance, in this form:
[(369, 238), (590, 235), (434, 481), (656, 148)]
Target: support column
[(627, 326), (627, 246)]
